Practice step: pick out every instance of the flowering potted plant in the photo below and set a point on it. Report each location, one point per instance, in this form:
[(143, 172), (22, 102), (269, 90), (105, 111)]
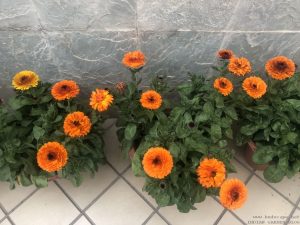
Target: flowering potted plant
[(50, 134), (138, 109), (268, 115), (185, 157)]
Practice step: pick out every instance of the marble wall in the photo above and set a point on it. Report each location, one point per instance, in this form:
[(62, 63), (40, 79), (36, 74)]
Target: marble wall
[(85, 40)]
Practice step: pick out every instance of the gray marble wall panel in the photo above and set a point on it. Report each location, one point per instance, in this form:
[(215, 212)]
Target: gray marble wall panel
[(85, 40)]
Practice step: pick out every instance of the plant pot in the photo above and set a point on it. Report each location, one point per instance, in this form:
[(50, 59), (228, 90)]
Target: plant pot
[(250, 149)]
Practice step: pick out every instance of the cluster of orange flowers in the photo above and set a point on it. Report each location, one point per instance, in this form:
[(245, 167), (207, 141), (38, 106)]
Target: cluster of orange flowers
[(158, 163), (278, 68)]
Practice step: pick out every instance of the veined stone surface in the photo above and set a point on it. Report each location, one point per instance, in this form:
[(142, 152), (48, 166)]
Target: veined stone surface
[(85, 40)]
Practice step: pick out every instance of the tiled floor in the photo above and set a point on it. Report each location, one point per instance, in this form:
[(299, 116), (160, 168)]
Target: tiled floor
[(115, 197)]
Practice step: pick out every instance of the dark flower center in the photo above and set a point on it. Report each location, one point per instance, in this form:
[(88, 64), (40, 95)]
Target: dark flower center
[(213, 173), (51, 156), (151, 99), (76, 123), (281, 65), (162, 185), (24, 79), (156, 161), (254, 86), (64, 87), (222, 84), (234, 195)]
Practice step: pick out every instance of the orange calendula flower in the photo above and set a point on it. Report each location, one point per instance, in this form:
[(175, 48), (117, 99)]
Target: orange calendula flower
[(157, 162), (225, 54), (77, 124), (239, 66), (151, 100), (223, 85), (233, 194), (134, 60), (280, 67), (52, 156), (25, 80), (255, 87), (65, 89), (211, 173), (101, 100)]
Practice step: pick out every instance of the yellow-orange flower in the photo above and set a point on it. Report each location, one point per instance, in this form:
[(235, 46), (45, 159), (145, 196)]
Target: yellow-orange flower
[(233, 194), (151, 100), (223, 85), (157, 162), (77, 124), (255, 87), (239, 66), (225, 54), (134, 60), (211, 173), (280, 67), (25, 80), (65, 89), (52, 156), (101, 100)]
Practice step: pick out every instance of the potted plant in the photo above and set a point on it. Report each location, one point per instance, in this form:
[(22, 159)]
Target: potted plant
[(138, 109), (269, 118), (184, 156), (48, 134)]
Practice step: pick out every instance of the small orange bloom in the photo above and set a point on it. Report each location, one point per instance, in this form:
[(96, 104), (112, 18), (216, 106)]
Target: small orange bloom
[(255, 87), (225, 54), (134, 60), (65, 89), (101, 100), (211, 173), (52, 156), (77, 124), (223, 85), (239, 66), (120, 86), (233, 194), (157, 162), (280, 67), (151, 100)]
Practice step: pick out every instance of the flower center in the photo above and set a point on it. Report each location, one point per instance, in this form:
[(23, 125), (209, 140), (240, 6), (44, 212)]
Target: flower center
[(254, 86), (65, 87), (234, 195), (24, 79), (281, 65), (222, 84), (76, 123), (156, 161), (51, 156), (213, 173), (151, 99)]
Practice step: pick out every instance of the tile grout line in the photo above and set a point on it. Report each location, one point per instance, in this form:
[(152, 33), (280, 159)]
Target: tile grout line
[(74, 203), (292, 212), (138, 193), (149, 218), (98, 196), (220, 217), (6, 215)]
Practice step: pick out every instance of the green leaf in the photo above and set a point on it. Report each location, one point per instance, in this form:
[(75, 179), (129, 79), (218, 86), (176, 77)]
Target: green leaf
[(5, 173), (174, 149), (163, 200), (208, 108), (231, 112), (38, 132), (24, 179), (295, 103), (263, 154), (130, 131), (215, 132), (40, 181), (274, 174), (202, 117)]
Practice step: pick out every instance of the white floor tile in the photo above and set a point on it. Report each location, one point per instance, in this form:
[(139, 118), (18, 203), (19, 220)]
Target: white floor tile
[(5, 222), (82, 221), (113, 151), (262, 201), (1, 214), (10, 198), (91, 186), (288, 187), (207, 212), (295, 217), (242, 173), (228, 218), (120, 205), (156, 220), (138, 182), (48, 206)]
